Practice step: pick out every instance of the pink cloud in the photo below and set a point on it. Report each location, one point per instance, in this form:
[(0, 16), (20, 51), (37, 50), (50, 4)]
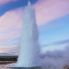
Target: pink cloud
[(12, 49), (10, 25), (49, 10), (2, 2)]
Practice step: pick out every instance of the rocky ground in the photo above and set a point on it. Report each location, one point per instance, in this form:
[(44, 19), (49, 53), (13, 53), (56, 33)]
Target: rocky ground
[(3, 67)]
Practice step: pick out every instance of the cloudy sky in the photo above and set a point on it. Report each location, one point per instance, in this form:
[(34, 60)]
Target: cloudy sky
[(52, 18)]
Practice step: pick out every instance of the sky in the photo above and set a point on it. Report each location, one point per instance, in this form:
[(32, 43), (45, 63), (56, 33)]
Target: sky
[(52, 18)]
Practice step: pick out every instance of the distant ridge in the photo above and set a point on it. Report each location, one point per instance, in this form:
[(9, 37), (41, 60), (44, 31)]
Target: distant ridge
[(7, 54)]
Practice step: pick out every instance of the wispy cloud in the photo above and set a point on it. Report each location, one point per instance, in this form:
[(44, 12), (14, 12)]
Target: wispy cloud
[(6, 1), (47, 10)]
